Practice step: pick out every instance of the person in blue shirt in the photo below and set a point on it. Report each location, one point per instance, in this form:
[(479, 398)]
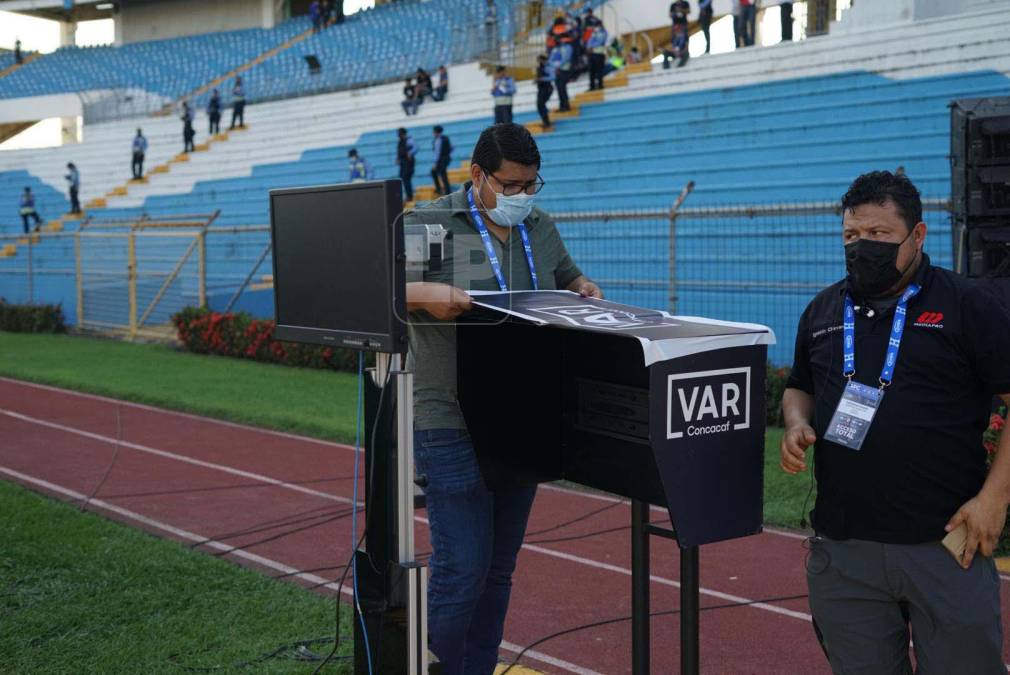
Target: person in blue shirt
[(359, 170), (594, 41), (27, 209), (442, 150), (406, 149), (238, 104), (187, 127), (214, 112), (139, 149), (503, 90), (74, 179), (315, 13), (560, 62)]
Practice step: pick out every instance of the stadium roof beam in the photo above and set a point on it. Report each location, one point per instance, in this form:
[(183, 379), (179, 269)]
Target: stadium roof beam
[(55, 9)]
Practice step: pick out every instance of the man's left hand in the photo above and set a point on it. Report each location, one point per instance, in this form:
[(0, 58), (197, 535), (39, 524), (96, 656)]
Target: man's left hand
[(587, 289), (984, 515)]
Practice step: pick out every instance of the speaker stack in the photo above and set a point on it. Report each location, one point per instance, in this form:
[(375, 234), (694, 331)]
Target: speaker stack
[(980, 186)]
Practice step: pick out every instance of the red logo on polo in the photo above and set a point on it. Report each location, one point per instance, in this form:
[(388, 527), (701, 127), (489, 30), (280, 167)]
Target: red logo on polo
[(929, 319)]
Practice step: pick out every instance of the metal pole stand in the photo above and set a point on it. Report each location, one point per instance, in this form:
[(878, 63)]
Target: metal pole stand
[(641, 530), (392, 584)]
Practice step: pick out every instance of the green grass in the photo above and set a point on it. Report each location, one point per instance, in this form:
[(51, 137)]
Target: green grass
[(784, 494), (80, 594), (314, 402)]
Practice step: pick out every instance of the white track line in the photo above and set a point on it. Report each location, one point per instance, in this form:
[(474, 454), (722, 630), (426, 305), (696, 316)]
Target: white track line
[(324, 495), (308, 439), (251, 557), (181, 458), (176, 413)]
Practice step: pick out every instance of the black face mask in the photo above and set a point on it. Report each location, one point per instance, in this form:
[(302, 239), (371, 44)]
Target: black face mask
[(871, 266)]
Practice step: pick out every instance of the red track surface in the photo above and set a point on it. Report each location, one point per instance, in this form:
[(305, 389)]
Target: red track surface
[(195, 479)]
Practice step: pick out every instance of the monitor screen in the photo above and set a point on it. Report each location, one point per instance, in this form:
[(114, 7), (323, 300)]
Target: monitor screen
[(338, 270)]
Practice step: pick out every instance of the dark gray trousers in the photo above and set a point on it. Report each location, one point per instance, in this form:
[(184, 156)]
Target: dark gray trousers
[(865, 595)]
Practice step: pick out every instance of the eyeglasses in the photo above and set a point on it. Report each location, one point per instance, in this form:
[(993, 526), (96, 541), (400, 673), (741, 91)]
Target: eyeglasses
[(512, 189)]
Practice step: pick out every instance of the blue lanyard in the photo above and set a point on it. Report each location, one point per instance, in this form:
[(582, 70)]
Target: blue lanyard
[(893, 343), (489, 246)]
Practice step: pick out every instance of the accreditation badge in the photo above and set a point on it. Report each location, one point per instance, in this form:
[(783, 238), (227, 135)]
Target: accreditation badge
[(854, 414)]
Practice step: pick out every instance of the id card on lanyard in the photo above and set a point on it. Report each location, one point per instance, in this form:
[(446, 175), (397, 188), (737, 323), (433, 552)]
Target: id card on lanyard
[(859, 403), (492, 257)]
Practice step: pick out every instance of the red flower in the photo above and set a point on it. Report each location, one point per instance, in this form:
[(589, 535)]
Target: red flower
[(989, 446), (996, 422)]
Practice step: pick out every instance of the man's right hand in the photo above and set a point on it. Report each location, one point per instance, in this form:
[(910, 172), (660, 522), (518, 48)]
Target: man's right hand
[(795, 441), (442, 301)]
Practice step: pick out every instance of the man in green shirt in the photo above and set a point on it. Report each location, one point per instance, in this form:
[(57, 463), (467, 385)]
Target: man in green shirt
[(500, 241)]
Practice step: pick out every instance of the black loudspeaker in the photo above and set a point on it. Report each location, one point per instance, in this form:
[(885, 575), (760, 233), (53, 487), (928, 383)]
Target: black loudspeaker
[(980, 186), (314, 66)]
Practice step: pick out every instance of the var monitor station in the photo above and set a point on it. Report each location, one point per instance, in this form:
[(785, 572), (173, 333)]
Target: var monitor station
[(338, 266)]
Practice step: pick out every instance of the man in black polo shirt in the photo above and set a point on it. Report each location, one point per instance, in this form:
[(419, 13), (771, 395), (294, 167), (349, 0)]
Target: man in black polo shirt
[(895, 369)]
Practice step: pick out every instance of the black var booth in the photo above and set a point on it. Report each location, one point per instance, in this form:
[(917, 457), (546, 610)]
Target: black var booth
[(664, 410)]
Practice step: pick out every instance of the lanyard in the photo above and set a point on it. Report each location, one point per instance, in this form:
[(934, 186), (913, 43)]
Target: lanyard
[(489, 247), (893, 343)]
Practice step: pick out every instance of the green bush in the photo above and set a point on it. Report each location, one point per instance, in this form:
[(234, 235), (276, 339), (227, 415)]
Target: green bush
[(239, 335), (775, 387), (31, 318)]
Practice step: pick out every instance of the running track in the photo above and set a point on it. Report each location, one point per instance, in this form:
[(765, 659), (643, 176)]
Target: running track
[(279, 503)]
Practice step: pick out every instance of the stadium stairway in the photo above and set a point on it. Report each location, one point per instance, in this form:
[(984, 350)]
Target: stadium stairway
[(9, 66)]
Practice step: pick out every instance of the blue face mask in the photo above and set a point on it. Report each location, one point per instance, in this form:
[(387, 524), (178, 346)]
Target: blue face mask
[(511, 210)]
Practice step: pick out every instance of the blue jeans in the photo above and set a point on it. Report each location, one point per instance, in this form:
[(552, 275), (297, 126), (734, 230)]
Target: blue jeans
[(475, 538)]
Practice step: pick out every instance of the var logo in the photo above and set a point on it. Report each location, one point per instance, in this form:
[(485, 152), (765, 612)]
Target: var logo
[(707, 402)]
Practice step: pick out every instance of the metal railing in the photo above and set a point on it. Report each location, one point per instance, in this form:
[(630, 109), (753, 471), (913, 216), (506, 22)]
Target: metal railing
[(757, 263)]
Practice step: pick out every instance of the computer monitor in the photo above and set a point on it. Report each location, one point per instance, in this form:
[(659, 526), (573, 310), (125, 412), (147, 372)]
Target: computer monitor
[(339, 265)]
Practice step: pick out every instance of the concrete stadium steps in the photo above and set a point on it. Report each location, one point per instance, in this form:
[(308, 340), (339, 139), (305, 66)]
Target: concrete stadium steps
[(951, 44)]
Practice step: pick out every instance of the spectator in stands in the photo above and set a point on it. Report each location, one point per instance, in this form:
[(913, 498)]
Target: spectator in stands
[(679, 11), (74, 181), (634, 56), (442, 151), (325, 11), (748, 20), (338, 11), (139, 150), (491, 23), (405, 152), (28, 210), (738, 29), (214, 112), (786, 16), (614, 62), (238, 103), (705, 21), (560, 62), (502, 91), (316, 14), (545, 88), (594, 42), (443, 85), (410, 99), (423, 83), (187, 127), (476, 529), (359, 170), (19, 58)]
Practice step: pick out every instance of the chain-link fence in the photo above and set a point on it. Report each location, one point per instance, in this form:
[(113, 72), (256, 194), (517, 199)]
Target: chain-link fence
[(758, 263)]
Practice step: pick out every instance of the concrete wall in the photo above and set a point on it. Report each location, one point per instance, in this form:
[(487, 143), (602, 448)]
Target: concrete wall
[(865, 15), (158, 20), (625, 16), (27, 109)]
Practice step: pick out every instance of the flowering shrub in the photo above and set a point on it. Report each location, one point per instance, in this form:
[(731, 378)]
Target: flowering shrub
[(775, 387), (990, 439), (239, 335)]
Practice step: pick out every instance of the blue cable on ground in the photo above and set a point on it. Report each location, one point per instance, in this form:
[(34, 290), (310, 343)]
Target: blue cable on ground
[(354, 507)]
